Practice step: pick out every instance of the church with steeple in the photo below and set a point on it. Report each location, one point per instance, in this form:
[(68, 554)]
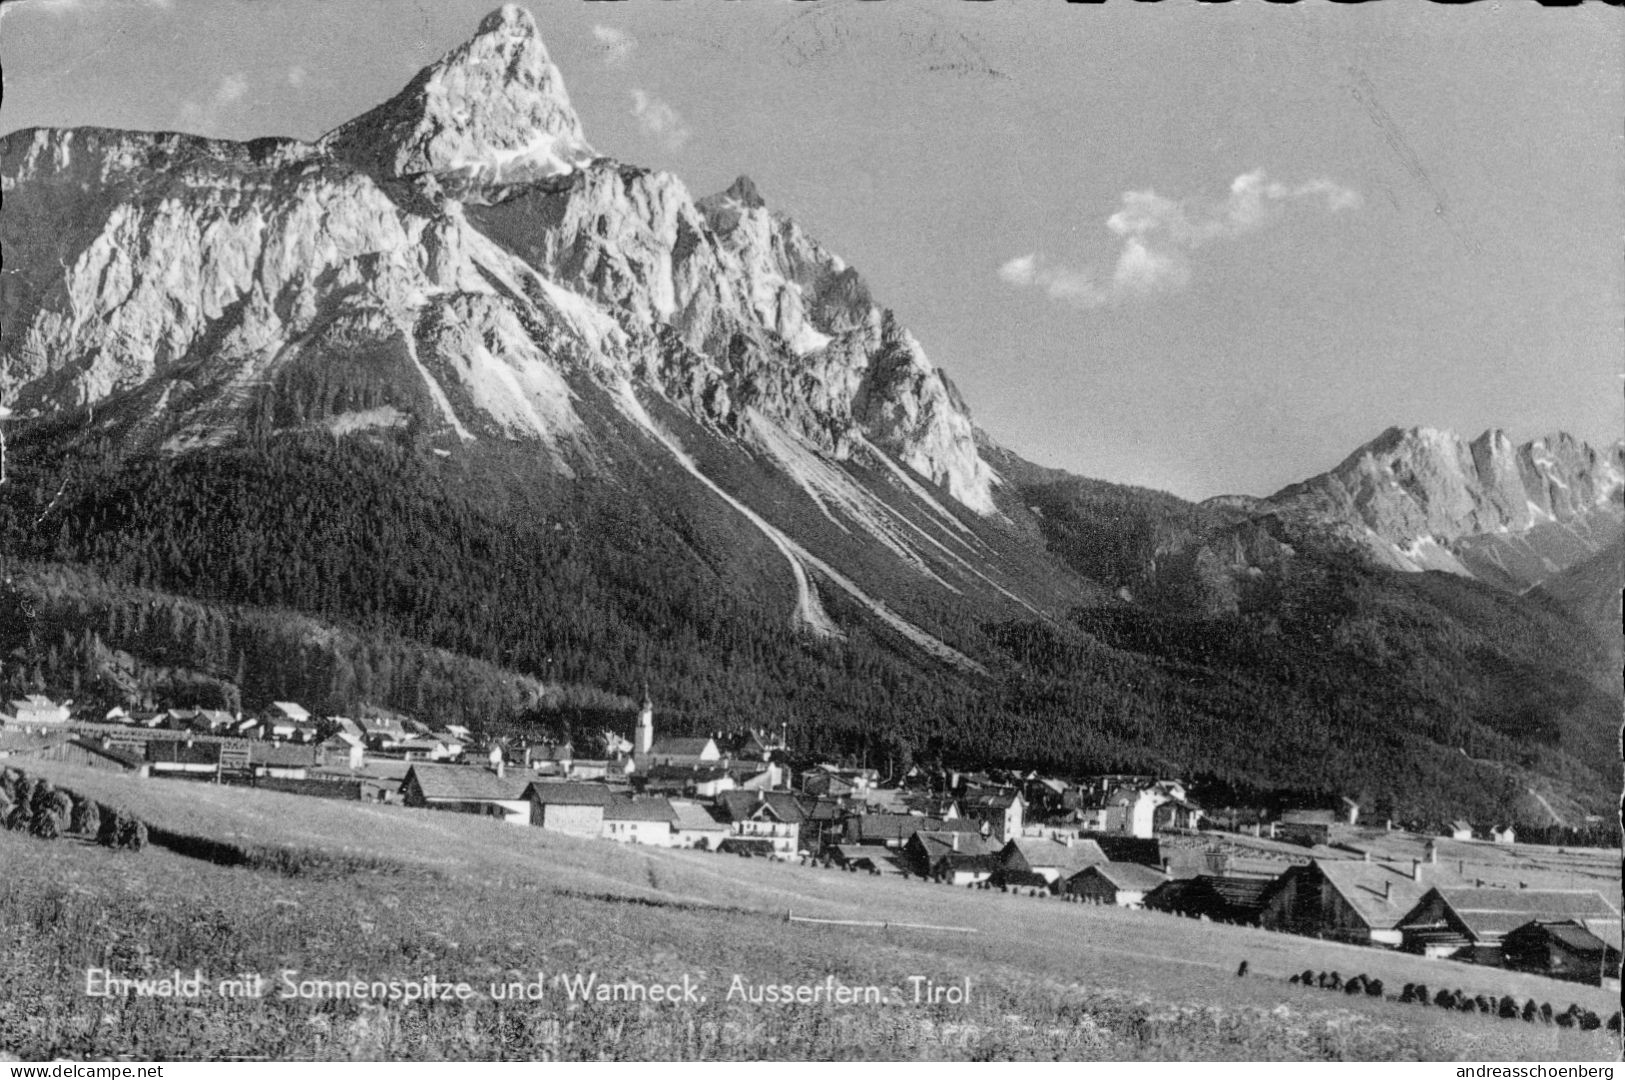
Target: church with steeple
[(647, 750)]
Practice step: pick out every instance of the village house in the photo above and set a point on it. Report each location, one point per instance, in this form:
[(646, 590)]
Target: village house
[(1175, 815), (1470, 923), (1001, 813), (1561, 949), (36, 711), (642, 820), (1504, 834), (342, 749), (1131, 811), (1115, 884), (575, 809), (467, 789), (696, 826), (763, 823), (549, 758), (702, 781), (1461, 830)]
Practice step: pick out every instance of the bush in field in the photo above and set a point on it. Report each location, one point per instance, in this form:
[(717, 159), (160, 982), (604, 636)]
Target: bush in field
[(18, 818), (60, 806), (5, 803), (86, 819), (24, 794), (132, 834), (41, 797), (112, 825), (45, 827)]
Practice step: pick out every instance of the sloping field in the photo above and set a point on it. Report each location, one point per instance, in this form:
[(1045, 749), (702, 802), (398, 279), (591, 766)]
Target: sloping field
[(1079, 981)]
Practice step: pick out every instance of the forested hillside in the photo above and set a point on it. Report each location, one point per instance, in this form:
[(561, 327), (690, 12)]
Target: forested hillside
[(338, 571)]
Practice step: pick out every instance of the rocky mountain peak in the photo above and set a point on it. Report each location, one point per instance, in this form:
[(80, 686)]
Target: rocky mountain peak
[(494, 108)]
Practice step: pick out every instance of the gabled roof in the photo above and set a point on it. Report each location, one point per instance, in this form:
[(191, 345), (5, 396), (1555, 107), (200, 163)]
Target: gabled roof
[(565, 793), (693, 816), (467, 783), (890, 826), (115, 754), (682, 746), (640, 810), (292, 710), (1129, 877), (1040, 853), (937, 845), (1493, 912), (1380, 894), (989, 801)]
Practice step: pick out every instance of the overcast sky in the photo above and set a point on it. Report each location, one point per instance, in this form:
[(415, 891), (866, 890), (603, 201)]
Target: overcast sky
[(1205, 248)]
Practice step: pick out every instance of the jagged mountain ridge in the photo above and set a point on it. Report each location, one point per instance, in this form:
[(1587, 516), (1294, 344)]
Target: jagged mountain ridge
[(460, 259), (1424, 499)]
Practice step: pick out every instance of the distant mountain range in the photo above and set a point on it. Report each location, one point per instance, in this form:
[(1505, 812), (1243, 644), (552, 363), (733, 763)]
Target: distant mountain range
[(449, 375)]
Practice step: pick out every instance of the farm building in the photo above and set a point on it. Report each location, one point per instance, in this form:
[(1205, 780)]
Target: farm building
[(1310, 828), (467, 789), (1347, 900), (962, 869), (1118, 884), (890, 830), (1218, 898), (858, 857), (1051, 859), (571, 808), (90, 753), (680, 750), (284, 761), (1562, 949), (1470, 923), (925, 851)]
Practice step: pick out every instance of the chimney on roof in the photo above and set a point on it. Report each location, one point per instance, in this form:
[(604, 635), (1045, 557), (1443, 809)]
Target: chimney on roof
[(1416, 869), (1387, 891), (1365, 856)]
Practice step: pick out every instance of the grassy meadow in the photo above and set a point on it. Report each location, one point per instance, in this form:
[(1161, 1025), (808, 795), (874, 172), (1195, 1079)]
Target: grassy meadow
[(339, 891)]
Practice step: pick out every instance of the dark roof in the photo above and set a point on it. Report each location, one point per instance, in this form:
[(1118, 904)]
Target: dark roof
[(1142, 850), (177, 752), (697, 773), (565, 793), (113, 753), (744, 805), (467, 783), (889, 826), (640, 810), (977, 864), (281, 755)]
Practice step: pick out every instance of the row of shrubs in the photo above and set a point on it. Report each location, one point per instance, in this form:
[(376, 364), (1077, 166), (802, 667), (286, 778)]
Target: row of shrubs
[(33, 806), (1507, 1008)]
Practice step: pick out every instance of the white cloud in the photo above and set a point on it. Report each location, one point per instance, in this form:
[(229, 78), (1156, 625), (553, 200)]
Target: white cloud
[(660, 120), (296, 76), (616, 45), (1160, 234), (204, 118)]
